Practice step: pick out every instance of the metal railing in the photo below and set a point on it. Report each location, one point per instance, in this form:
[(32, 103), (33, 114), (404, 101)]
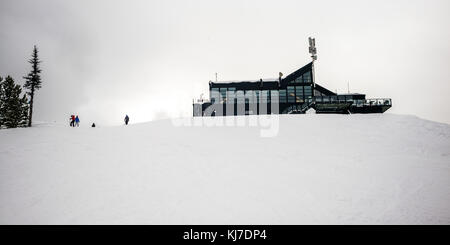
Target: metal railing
[(328, 99), (355, 102), (373, 102)]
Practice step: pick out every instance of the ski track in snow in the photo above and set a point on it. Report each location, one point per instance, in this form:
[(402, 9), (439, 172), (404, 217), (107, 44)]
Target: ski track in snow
[(320, 169)]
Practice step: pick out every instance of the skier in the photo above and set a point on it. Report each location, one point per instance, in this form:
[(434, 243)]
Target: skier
[(72, 121), (93, 125), (126, 119), (77, 121)]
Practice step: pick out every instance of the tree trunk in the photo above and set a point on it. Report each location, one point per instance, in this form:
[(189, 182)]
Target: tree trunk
[(31, 107)]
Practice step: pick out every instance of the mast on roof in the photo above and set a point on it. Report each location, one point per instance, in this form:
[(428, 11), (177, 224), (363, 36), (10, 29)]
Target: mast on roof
[(313, 52)]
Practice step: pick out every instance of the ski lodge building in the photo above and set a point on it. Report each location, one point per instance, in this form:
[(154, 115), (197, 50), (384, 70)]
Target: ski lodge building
[(294, 94)]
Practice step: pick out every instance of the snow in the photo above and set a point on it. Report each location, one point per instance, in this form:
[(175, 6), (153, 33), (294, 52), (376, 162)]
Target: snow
[(318, 169), (311, 111), (251, 81)]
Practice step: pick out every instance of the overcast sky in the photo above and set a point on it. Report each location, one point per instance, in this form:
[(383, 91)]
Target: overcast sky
[(149, 59)]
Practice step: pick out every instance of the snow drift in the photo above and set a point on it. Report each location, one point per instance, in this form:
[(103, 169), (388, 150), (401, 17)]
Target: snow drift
[(319, 169)]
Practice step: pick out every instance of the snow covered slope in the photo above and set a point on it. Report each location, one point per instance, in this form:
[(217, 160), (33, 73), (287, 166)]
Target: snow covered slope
[(319, 169)]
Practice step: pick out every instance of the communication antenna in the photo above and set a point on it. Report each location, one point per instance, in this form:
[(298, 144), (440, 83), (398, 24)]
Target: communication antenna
[(313, 52), (312, 48), (216, 77)]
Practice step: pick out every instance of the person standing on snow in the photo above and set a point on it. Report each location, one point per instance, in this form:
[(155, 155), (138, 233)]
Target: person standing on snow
[(126, 119), (77, 121), (72, 121)]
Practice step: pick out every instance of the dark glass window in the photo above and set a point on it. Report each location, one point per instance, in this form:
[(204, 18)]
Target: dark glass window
[(317, 93), (214, 95), (274, 96), (349, 98), (307, 77), (308, 91), (223, 95), (291, 94), (283, 96), (299, 94)]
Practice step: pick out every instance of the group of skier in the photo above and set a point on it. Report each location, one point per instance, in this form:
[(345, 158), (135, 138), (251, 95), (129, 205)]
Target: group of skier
[(75, 121)]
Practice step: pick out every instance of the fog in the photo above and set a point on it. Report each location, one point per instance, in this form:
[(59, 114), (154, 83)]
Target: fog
[(149, 59)]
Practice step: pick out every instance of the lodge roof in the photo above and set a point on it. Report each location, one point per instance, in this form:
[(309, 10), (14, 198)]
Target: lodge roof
[(298, 72), (266, 83)]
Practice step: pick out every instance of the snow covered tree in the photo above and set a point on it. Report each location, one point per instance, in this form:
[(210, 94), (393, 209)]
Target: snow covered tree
[(33, 81), (14, 110)]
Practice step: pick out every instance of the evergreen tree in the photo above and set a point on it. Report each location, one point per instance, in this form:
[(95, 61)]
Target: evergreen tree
[(33, 81), (12, 110)]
